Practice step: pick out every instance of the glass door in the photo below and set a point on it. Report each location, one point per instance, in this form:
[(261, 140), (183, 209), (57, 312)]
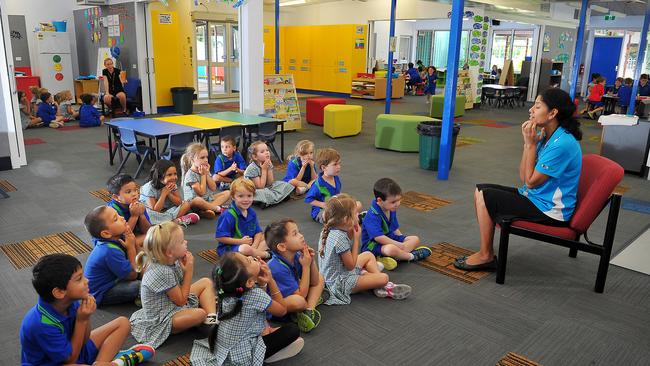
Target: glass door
[(217, 59)]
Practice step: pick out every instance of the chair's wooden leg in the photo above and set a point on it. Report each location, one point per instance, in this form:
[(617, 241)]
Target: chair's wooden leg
[(504, 237), (573, 252)]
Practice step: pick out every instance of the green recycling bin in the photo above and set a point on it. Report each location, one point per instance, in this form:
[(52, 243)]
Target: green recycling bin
[(182, 98), (429, 132)]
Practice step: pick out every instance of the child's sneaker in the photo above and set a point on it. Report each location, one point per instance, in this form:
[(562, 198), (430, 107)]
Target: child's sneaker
[(287, 352), (224, 186), (388, 262), (420, 253), (324, 296), (54, 125), (393, 291), (308, 320), (135, 355), (189, 219)]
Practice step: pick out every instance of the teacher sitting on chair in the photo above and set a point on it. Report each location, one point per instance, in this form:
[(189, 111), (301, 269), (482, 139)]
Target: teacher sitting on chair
[(549, 170), (113, 85)]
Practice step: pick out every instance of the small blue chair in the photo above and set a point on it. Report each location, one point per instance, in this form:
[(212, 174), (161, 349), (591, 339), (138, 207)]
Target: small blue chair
[(234, 131), (176, 145), (266, 132), (129, 142)]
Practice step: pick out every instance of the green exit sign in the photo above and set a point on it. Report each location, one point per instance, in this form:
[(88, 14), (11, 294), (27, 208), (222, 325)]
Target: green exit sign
[(610, 17)]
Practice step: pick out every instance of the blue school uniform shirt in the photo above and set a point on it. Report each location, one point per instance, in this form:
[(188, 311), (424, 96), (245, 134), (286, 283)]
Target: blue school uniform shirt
[(47, 112), (293, 168), (414, 75), (644, 91), (321, 191), (45, 337), (375, 224), (106, 264), (624, 95), (89, 116), (233, 224), (124, 212), (222, 163), (286, 275), (561, 159)]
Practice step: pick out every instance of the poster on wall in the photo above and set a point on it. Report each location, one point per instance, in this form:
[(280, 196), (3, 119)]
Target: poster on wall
[(281, 100), (547, 43)]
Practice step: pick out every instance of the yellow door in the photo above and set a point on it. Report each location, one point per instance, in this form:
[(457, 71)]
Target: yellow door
[(166, 41)]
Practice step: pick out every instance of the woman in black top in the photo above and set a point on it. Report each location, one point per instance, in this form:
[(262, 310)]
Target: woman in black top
[(113, 87)]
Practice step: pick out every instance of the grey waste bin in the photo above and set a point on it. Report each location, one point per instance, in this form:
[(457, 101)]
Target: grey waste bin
[(182, 97), (429, 132)]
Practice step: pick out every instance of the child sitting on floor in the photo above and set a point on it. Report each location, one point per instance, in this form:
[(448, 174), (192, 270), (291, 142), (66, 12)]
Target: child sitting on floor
[(36, 97), (240, 336), (347, 271), (237, 228), (89, 116), (26, 118), (380, 232), (125, 193), (198, 187), (171, 303), (47, 112), (161, 197), (294, 269), (57, 330), (110, 267), (229, 165), (301, 169), (327, 184), (260, 171), (65, 110)]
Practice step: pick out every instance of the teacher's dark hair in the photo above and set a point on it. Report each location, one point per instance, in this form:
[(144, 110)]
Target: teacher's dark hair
[(558, 99)]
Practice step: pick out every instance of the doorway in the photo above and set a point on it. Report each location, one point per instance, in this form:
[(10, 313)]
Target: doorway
[(217, 59), (605, 57)]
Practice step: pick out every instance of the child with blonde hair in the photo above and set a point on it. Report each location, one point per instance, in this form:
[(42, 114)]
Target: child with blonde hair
[(64, 100), (240, 337), (260, 171), (238, 229), (347, 271), (36, 97), (301, 169), (198, 186), (171, 303)]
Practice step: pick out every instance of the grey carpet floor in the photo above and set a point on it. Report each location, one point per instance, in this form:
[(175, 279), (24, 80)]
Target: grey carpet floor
[(546, 311)]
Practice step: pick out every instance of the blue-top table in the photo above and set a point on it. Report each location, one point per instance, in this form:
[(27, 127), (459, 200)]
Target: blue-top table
[(151, 128)]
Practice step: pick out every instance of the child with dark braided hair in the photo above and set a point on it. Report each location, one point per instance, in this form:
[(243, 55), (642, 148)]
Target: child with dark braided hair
[(345, 270), (238, 337)]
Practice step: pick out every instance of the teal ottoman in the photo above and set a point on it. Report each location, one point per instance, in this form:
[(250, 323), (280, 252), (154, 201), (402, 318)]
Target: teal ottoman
[(437, 106), (398, 132)]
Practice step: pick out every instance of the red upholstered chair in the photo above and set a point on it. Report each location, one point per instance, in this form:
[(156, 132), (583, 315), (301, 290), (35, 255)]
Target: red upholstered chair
[(316, 106), (598, 179)]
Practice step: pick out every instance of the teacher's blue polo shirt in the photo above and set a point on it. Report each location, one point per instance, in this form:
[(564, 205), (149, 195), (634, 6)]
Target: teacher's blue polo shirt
[(285, 274), (233, 224), (106, 265), (321, 191), (45, 337), (293, 168)]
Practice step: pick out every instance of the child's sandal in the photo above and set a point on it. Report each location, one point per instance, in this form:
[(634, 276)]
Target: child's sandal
[(211, 319)]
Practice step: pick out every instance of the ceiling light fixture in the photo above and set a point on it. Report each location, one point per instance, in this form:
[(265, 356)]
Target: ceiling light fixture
[(293, 2), (617, 14), (598, 8)]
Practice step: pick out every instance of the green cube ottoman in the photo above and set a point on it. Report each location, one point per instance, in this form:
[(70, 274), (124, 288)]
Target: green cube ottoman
[(398, 132), (437, 106)]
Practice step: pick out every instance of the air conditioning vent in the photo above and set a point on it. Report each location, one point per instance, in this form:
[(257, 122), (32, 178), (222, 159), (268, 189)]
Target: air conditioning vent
[(92, 2), (576, 14), (546, 7)]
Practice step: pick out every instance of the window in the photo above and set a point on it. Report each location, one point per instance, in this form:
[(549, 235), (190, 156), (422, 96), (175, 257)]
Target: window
[(423, 48), (504, 48), (441, 49)]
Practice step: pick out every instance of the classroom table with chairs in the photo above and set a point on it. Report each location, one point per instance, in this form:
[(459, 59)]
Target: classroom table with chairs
[(504, 94)]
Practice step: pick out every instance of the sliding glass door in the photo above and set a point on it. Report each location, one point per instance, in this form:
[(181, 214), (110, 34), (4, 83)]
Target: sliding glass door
[(217, 59)]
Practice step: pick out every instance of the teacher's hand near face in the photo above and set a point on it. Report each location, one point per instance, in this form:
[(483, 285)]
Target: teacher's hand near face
[(529, 131)]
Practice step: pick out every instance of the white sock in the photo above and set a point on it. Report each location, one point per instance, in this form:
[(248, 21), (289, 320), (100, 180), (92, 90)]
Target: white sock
[(412, 256)]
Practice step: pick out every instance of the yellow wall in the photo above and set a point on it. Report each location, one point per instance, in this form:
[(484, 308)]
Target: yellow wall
[(172, 48), (320, 57)]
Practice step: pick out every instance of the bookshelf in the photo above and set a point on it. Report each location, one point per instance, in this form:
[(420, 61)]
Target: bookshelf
[(375, 88)]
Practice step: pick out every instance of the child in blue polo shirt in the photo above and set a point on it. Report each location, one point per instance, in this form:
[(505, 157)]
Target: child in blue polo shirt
[(110, 267), (237, 228), (56, 330), (644, 87), (301, 169), (294, 269), (125, 192), (380, 232), (229, 165), (624, 95)]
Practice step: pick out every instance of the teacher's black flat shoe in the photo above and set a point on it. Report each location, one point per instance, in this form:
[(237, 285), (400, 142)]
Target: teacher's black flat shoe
[(461, 263)]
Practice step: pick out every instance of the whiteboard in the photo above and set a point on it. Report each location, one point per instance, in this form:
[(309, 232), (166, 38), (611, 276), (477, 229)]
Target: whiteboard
[(102, 54)]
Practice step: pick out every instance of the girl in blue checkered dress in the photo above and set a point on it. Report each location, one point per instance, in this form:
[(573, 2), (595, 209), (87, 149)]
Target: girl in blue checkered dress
[(268, 191), (345, 270), (171, 303), (240, 336), (198, 186)]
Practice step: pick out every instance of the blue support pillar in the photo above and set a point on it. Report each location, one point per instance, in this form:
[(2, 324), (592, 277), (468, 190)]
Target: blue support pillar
[(639, 60), (389, 73), (449, 104), (580, 39), (277, 36)]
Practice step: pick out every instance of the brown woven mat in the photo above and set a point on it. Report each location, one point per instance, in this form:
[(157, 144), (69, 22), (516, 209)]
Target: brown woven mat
[(183, 360), (26, 253), (464, 141), (442, 261), (6, 186), (513, 359), (478, 121), (423, 202), (621, 189), (209, 255), (102, 194)]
